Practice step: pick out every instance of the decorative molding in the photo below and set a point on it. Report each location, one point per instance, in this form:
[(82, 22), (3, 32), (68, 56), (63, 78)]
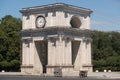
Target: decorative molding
[(53, 39), (87, 40), (60, 66), (27, 41), (67, 39), (56, 7), (55, 30), (26, 66), (87, 65)]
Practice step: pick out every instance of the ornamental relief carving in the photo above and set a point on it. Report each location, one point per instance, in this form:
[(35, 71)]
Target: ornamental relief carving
[(87, 40), (60, 39), (67, 40), (27, 41), (53, 40)]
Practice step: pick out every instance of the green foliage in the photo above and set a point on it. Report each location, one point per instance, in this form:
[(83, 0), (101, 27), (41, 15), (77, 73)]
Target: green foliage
[(15, 64), (10, 43), (106, 50)]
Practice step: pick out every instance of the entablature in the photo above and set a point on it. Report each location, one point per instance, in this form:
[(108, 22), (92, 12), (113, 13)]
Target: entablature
[(54, 31)]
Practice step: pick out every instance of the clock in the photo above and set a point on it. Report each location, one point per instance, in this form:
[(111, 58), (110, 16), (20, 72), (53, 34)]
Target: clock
[(40, 22)]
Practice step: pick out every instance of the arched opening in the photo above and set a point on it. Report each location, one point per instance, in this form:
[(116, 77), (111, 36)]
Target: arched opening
[(75, 22)]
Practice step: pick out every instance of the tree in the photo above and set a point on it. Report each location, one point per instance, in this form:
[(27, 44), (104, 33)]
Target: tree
[(106, 50), (9, 42)]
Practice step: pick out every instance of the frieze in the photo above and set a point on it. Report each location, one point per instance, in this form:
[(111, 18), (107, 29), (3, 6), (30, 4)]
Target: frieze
[(55, 30)]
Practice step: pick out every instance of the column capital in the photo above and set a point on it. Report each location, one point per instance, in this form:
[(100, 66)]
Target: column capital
[(87, 39), (67, 38), (30, 39), (27, 41), (53, 39)]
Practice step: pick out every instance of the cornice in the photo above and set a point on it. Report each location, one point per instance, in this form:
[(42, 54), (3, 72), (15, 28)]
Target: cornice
[(56, 7), (55, 30)]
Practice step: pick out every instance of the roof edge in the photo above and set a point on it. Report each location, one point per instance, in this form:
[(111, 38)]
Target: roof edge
[(55, 5)]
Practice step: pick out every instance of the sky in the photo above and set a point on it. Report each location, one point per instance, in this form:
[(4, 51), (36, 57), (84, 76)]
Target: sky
[(105, 16)]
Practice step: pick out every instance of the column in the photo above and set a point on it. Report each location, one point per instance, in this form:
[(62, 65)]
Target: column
[(27, 64), (26, 53), (80, 55), (52, 54), (61, 48), (31, 53), (83, 51), (51, 50), (68, 51), (89, 51), (86, 54)]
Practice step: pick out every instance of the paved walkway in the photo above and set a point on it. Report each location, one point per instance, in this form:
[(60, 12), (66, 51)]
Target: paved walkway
[(91, 76), (13, 77)]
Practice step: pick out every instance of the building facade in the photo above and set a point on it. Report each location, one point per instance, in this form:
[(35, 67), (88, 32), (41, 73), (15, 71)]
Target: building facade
[(56, 36)]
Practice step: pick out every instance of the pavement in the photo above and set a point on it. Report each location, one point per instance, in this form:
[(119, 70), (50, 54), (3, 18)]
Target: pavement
[(12, 77), (91, 76)]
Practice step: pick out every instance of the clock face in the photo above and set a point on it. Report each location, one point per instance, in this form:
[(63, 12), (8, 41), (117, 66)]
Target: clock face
[(40, 22)]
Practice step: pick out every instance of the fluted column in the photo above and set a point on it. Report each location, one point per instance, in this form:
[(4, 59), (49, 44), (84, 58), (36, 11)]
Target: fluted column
[(86, 54), (89, 51), (68, 51), (52, 50), (27, 55), (83, 45)]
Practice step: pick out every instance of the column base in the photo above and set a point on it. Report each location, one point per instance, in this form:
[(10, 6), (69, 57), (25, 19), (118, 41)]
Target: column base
[(27, 69), (51, 69), (88, 68)]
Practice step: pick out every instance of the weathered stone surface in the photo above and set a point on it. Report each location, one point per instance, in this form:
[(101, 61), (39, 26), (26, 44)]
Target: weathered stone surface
[(63, 44)]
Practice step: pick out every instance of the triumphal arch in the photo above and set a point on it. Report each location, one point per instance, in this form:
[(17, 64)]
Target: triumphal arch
[(56, 36)]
